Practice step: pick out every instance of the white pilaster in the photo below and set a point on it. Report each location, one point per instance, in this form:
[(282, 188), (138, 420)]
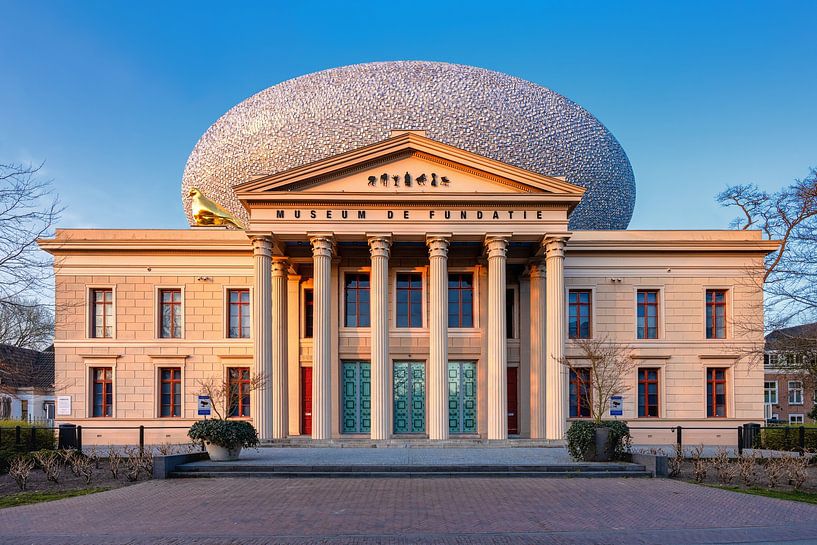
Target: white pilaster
[(261, 409), (280, 394), (380, 249), (557, 377), (497, 247), (538, 321), (438, 337), (322, 249)]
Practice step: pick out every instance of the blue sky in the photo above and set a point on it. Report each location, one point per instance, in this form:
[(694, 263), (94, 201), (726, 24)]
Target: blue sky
[(114, 95)]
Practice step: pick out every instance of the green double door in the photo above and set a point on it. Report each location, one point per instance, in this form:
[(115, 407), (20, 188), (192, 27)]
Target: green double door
[(356, 379), (409, 396), (462, 397)]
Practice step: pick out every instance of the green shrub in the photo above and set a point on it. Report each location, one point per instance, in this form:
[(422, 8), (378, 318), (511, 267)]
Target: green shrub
[(787, 438), (224, 433), (581, 437), (44, 439)]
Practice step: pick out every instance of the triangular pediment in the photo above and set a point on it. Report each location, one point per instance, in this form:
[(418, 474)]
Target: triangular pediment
[(408, 165)]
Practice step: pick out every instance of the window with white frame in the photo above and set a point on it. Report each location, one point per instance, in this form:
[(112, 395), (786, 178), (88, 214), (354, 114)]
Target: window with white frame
[(796, 419), (770, 392), (795, 392)]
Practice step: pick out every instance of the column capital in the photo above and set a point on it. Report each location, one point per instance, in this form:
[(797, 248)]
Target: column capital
[(262, 245), (379, 244), (438, 244), (280, 266), (537, 269), (497, 245), (554, 246), (323, 244)]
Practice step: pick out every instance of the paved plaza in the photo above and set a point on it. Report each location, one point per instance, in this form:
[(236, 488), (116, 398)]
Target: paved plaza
[(443, 510)]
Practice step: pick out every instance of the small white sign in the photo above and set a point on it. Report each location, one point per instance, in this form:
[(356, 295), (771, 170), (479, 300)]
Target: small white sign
[(204, 405), (616, 406), (63, 405)]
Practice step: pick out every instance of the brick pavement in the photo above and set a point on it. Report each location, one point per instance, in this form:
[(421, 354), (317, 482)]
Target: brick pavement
[(365, 511)]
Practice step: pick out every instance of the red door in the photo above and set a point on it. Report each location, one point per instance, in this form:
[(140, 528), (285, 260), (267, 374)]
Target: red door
[(306, 400), (513, 402)]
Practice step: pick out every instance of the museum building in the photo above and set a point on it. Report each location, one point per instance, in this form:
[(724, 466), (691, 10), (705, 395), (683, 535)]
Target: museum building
[(404, 250)]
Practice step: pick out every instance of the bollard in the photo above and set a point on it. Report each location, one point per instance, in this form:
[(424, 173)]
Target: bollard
[(801, 439), (32, 440), (740, 440), (679, 444), (141, 439), (18, 440), (79, 438)]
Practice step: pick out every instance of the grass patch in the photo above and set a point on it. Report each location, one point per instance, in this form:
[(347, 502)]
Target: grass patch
[(791, 495), (26, 498)]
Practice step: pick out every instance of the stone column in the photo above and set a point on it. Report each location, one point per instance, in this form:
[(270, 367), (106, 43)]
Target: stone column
[(280, 356), (497, 341), (261, 410), (322, 249), (538, 358), (438, 337), (380, 249), (557, 376)]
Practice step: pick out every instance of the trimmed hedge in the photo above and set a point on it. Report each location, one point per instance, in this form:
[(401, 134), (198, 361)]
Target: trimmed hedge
[(581, 438), (787, 438), (44, 439)]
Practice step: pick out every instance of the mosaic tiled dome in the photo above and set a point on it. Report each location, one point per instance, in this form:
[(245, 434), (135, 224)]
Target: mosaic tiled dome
[(505, 118)]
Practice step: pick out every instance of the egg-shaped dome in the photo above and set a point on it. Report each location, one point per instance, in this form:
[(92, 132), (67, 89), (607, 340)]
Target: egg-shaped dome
[(504, 118)]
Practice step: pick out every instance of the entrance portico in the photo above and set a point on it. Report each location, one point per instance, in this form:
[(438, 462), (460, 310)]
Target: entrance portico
[(391, 200)]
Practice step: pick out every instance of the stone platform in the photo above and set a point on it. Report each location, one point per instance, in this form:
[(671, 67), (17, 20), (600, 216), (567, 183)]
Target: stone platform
[(407, 462)]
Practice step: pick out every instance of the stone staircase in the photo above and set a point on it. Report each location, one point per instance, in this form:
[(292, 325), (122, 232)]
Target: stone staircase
[(207, 469)]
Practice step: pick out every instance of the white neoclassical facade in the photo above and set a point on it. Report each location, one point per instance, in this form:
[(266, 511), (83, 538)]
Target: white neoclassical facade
[(404, 289)]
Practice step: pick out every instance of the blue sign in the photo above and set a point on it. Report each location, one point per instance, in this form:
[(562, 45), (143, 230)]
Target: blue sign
[(204, 405), (616, 406)]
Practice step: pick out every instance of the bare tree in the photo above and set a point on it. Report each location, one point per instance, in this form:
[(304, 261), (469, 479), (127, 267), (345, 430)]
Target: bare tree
[(225, 395), (28, 211), (789, 279), (609, 367), (26, 324)]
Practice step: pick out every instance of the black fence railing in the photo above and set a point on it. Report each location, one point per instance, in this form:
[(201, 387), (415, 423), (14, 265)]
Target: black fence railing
[(65, 436), (799, 439)]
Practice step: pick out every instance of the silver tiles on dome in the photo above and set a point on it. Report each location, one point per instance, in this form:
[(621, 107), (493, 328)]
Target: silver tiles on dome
[(492, 114)]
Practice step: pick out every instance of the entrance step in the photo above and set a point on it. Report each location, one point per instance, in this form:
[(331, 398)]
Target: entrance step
[(238, 469), (308, 442)]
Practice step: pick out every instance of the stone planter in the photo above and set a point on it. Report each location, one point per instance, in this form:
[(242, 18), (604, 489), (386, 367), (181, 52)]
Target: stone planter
[(222, 454), (602, 447)]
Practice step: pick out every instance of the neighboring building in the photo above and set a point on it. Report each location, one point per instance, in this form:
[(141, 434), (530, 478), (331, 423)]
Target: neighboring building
[(789, 393), (406, 283), (26, 383)]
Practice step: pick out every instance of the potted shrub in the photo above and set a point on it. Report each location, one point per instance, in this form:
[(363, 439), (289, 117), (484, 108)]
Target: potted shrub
[(224, 437), (601, 369)]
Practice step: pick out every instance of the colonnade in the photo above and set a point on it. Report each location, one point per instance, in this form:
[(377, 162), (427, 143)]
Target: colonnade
[(548, 377)]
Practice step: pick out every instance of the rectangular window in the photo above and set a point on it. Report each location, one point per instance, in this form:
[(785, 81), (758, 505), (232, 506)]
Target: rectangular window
[(461, 300), (647, 314), (238, 386), (796, 419), (24, 409), (770, 392), (715, 392), (171, 313), (102, 391), (795, 392), (239, 314), (715, 314), (170, 400), (409, 300), (580, 308), (580, 393), (356, 381), (647, 393), (356, 295), (102, 313), (309, 312)]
